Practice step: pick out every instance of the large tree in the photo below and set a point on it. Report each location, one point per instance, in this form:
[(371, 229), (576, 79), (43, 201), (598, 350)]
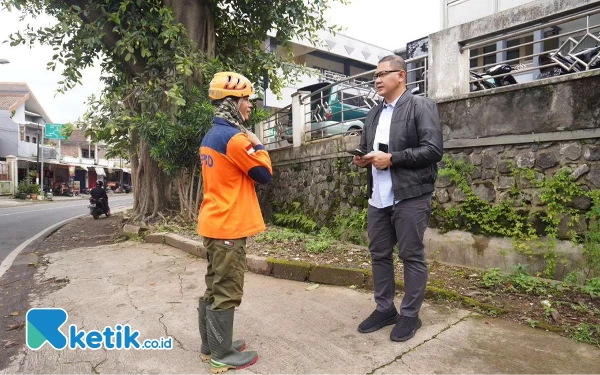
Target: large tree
[(157, 57)]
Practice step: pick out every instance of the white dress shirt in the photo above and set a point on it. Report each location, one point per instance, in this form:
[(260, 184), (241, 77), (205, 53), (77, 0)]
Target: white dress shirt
[(383, 195)]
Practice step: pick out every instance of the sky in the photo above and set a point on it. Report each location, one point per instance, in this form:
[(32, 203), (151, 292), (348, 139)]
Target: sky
[(385, 23)]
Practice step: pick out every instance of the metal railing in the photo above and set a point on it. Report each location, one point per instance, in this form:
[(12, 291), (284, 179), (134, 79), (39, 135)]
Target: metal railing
[(558, 46), (277, 129), (336, 109), (340, 108), (5, 172)]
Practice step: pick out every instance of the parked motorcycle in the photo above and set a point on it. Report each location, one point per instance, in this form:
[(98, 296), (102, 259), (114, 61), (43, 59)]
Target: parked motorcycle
[(496, 76), (97, 208)]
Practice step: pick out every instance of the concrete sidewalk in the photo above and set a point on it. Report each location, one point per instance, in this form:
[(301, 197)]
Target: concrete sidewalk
[(155, 287), (9, 201)]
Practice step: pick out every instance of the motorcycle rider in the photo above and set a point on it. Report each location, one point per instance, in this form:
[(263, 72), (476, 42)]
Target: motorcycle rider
[(99, 194)]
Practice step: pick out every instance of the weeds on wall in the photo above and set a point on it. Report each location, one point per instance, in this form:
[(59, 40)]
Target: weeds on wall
[(504, 219)]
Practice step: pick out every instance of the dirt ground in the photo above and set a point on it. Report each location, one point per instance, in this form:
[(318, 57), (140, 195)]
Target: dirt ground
[(18, 283), (571, 307)]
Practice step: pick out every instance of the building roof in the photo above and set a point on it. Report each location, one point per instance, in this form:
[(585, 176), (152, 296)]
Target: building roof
[(10, 102), (344, 46), (15, 94)]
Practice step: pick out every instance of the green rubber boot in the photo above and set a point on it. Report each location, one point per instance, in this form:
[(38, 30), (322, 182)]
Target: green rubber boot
[(219, 324), (238, 345)]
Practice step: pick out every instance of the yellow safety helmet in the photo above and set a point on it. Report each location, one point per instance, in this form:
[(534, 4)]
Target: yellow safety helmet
[(226, 84)]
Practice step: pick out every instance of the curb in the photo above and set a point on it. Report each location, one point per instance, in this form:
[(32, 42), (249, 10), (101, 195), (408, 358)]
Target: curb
[(310, 272), (283, 269)]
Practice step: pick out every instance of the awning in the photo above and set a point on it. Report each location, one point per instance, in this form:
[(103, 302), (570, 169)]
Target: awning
[(127, 170), (100, 171)]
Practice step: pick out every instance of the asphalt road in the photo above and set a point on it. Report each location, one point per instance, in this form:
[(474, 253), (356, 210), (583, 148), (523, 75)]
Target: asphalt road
[(20, 223)]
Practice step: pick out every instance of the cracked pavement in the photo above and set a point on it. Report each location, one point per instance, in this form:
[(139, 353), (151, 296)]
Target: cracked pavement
[(155, 289)]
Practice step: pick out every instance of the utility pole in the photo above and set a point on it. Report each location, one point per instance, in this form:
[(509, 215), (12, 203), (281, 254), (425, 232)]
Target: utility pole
[(42, 174), (38, 155)]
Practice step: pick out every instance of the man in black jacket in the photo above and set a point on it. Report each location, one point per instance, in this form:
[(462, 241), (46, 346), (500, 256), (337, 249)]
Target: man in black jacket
[(403, 141), (99, 194)]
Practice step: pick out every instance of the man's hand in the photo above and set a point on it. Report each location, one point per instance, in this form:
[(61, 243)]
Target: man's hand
[(378, 159), (252, 138), (360, 161)]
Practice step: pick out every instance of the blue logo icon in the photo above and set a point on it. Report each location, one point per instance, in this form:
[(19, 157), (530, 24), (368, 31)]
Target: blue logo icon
[(43, 325)]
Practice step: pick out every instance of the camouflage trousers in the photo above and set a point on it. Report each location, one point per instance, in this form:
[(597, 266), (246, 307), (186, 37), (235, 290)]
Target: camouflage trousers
[(225, 273)]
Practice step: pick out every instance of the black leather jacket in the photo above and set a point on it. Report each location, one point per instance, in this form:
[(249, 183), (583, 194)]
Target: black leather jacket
[(98, 193), (416, 145)]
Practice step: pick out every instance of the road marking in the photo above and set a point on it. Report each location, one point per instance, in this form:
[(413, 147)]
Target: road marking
[(56, 208), (8, 261)]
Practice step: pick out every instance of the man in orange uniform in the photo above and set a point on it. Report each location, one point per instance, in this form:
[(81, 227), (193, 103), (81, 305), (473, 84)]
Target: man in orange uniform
[(233, 161)]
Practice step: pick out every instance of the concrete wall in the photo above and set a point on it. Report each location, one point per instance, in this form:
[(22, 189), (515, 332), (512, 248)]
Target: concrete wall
[(9, 135), (547, 126), (19, 114), (556, 105), (320, 175), (451, 67), (457, 12)]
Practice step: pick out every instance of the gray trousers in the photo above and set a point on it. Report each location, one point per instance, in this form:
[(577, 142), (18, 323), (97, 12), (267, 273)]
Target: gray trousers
[(405, 224)]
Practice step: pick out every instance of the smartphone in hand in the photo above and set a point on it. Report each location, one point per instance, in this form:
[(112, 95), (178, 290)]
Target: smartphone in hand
[(357, 152)]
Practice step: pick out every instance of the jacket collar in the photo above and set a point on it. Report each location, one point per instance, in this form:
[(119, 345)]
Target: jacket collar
[(403, 98), (222, 121)]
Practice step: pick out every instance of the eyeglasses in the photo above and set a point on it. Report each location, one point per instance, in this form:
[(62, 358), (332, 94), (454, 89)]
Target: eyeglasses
[(384, 73)]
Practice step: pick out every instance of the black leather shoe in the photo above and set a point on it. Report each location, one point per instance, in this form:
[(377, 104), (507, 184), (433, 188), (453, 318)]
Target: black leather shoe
[(378, 320), (406, 328)]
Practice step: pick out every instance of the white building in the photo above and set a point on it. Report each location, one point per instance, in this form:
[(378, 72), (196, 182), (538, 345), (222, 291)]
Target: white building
[(338, 57)]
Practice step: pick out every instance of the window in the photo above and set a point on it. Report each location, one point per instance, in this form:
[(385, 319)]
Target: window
[(512, 53), (490, 59), (88, 154), (476, 60), (26, 138), (353, 98), (4, 172), (34, 140)]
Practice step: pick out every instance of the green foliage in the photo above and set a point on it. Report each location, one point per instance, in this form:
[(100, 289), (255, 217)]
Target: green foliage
[(67, 130), (503, 219), (23, 186), (322, 242), (296, 218), (572, 278), (33, 189), (519, 280), (28, 188), (592, 287), (556, 192), (175, 142), (276, 235), (591, 239), (156, 70), (476, 215), (589, 333), (580, 308), (492, 277), (319, 245), (351, 226)]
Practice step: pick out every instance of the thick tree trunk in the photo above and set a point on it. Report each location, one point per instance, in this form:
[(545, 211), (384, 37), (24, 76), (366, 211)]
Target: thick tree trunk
[(197, 18), (152, 188), (151, 185)]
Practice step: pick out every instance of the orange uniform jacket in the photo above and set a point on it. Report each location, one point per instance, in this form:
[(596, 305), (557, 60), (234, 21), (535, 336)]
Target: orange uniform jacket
[(230, 168)]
